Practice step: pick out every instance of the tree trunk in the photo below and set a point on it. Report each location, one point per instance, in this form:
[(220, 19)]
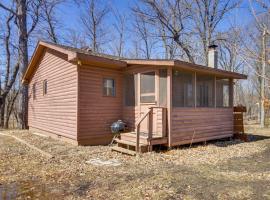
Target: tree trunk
[(2, 120), (10, 108), (23, 59), (262, 89)]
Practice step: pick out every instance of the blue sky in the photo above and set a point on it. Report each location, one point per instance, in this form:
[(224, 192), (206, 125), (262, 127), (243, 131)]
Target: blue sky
[(69, 16), (71, 11)]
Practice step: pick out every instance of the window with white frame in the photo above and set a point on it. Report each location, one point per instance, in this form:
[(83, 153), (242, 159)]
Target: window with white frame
[(163, 87), (147, 87), (109, 87)]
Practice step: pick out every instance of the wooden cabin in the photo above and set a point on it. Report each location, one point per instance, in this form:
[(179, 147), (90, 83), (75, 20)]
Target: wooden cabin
[(76, 94)]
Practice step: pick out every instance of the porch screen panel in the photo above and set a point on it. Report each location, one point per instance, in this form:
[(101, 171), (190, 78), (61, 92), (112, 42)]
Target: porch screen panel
[(147, 87), (182, 89), (129, 90), (163, 87), (205, 91), (222, 92), (136, 88)]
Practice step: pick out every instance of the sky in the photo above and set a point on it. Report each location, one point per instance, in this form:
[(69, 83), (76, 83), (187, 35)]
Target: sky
[(72, 10), (71, 13), (69, 16)]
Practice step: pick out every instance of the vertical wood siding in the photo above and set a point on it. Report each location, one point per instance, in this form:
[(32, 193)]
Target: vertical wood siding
[(208, 123), (98, 112), (55, 112)]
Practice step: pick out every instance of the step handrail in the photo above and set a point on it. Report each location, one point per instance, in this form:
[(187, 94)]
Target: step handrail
[(143, 117), (138, 125)]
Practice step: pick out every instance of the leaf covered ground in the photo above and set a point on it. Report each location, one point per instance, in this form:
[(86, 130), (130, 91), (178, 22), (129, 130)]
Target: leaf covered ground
[(218, 170)]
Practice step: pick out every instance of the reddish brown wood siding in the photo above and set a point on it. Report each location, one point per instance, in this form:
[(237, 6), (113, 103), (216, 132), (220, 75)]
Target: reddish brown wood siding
[(129, 116), (208, 123), (97, 112), (55, 112)]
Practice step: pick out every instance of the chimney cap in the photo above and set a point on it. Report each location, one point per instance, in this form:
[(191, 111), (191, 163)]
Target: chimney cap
[(212, 46)]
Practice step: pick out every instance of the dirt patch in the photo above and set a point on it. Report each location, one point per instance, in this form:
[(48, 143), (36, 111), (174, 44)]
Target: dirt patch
[(218, 170)]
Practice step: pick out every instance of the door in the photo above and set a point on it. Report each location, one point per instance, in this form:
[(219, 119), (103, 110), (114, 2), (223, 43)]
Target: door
[(148, 89)]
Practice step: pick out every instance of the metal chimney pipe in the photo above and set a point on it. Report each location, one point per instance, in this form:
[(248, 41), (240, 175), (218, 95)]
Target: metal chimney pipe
[(213, 56)]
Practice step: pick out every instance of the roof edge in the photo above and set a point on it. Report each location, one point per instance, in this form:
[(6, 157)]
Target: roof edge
[(72, 56), (201, 68), (41, 45), (156, 62)]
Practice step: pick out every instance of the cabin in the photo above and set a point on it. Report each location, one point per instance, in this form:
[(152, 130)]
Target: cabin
[(76, 95)]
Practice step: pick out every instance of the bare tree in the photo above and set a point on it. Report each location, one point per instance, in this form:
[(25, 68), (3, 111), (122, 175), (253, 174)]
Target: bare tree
[(168, 44), (173, 16), (261, 13), (75, 38), (22, 11), (10, 105), (93, 22), (229, 43), (119, 26), (134, 52), (142, 30), (50, 19), (207, 15), (9, 78)]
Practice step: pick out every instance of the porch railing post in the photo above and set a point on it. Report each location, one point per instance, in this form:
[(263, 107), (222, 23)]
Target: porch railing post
[(138, 138), (150, 123)]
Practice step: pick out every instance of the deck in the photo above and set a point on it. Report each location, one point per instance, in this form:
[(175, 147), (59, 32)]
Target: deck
[(126, 143), (140, 141)]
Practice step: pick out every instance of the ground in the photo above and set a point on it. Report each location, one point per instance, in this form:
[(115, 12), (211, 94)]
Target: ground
[(217, 170)]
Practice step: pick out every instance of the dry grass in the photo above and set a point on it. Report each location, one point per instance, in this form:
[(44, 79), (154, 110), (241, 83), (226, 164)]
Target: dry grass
[(219, 170)]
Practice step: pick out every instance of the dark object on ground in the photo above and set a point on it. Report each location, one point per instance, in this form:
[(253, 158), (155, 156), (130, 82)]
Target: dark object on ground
[(118, 127)]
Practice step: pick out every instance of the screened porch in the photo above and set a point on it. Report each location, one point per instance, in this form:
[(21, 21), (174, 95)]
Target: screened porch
[(182, 102)]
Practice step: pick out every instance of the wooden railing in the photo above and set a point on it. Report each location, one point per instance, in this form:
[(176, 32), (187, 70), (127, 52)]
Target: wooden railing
[(238, 119), (148, 114)]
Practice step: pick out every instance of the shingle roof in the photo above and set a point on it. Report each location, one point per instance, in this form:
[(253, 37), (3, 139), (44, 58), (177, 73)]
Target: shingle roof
[(76, 54), (85, 51)]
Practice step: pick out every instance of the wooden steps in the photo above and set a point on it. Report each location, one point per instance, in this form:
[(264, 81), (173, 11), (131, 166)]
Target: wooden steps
[(132, 138), (127, 143), (123, 150)]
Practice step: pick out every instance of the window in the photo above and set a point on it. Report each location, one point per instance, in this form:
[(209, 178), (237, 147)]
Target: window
[(147, 87), (205, 91), (223, 92), (163, 87), (109, 87), (45, 87), (129, 90), (34, 91), (183, 89)]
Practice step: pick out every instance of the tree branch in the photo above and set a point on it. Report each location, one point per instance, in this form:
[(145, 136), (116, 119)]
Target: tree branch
[(8, 9), (35, 16)]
